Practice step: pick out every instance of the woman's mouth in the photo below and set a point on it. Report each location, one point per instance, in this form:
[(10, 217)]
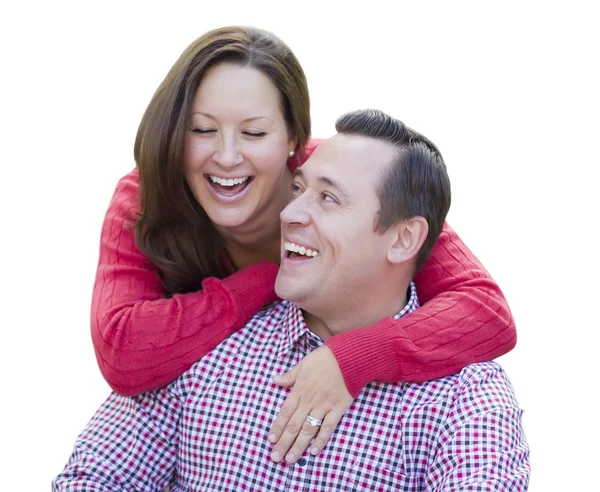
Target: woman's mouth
[(228, 186)]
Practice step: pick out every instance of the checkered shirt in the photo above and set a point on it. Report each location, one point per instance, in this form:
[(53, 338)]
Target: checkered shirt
[(208, 429)]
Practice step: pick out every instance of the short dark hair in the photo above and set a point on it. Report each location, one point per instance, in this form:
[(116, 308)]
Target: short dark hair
[(415, 184)]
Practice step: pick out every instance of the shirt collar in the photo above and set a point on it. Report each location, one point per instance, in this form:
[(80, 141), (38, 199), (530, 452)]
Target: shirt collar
[(412, 304), (293, 326)]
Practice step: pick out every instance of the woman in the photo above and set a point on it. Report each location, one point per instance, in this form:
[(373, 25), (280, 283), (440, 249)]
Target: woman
[(191, 241)]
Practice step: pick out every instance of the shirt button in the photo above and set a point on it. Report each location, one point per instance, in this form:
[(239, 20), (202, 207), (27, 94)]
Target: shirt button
[(312, 342), (301, 461)]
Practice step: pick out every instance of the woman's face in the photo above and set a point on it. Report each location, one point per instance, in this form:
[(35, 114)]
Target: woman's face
[(236, 146)]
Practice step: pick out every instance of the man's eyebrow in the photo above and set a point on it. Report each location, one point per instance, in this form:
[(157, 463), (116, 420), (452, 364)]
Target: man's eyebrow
[(247, 120), (299, 173)]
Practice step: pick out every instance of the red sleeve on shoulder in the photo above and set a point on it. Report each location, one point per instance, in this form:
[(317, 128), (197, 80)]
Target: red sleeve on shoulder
[(300, 158), (144, 340), (464, 319)]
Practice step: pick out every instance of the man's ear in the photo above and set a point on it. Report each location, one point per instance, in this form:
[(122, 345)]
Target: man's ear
[(408, 237)]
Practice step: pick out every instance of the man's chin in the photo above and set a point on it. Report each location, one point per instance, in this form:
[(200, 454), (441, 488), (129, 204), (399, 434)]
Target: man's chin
[(286, 290), (280, 289)]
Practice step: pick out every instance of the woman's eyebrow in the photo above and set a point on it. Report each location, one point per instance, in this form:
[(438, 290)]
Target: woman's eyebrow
[(246, 120)]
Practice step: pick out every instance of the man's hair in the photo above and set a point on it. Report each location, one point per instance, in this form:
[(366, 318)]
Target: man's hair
[(415, 184)]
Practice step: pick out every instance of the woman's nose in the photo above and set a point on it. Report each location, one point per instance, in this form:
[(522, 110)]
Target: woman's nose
[(228, 154)]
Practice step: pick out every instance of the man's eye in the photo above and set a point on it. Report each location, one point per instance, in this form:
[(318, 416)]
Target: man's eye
[(254, 134), (296, 188), (203, 131), (328, 198)]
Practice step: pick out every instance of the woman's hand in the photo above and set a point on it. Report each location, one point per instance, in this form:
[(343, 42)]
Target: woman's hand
[(318, 390)]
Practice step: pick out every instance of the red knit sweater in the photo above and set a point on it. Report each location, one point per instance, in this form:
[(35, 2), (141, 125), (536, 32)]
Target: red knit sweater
[(144, 340)]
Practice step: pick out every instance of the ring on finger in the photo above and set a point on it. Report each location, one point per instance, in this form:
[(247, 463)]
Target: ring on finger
[(315, 422)]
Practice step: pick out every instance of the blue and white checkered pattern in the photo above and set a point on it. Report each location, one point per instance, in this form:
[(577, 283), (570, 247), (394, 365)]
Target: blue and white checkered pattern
[(208, 429)]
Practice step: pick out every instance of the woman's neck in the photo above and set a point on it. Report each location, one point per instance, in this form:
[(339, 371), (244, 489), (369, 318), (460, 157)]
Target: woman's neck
[(260, 240), (246, 250)]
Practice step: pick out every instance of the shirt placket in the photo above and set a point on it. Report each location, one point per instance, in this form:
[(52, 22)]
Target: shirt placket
[(299, 474)]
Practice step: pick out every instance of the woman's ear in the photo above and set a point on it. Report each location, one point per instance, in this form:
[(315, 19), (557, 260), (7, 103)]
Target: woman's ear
[(292, 145), (408, 237)]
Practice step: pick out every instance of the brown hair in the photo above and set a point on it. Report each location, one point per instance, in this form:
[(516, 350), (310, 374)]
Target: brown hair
[(173, 230), (416, 182)]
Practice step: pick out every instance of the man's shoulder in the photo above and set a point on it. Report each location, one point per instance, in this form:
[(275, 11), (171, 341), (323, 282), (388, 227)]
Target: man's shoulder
[(482, 385), (483, 374)]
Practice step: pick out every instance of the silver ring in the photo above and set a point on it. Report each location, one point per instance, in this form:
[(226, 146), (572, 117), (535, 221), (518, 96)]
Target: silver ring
[(314, 421)]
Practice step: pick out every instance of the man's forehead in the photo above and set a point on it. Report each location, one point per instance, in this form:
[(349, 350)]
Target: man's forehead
[(343, 154)]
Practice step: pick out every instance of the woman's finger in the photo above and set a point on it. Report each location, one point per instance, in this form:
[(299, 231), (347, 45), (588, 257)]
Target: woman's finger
[(287, 379), (290, 433), (330, 422), (285, 414), (305, 436)]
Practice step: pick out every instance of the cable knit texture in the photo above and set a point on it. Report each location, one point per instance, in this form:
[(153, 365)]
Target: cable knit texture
[(144, 340)]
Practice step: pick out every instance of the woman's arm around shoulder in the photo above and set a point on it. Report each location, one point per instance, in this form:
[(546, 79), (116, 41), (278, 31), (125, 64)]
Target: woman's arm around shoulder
[(464, 318), (144, 340)]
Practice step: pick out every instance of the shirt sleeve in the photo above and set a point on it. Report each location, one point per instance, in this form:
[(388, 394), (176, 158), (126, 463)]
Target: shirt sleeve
[(144, 340), (482, 445), (464, 319), (129, 445)]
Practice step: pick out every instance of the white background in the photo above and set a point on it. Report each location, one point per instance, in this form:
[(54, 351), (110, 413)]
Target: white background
[(509, 92)]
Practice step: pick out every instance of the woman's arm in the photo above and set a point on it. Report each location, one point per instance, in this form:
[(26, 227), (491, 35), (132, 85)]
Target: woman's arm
[(144, 340), (464, 318)]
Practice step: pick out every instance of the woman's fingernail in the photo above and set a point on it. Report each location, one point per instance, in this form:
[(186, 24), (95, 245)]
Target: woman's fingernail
[(272, 437), (314, 451), (290, 457), (277, 378), (275, 456)]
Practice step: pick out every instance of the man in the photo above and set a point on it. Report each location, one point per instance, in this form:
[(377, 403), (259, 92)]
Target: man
[(368, 207)]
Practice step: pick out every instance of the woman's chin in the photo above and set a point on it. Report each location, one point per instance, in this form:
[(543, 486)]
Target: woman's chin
[(229, 219)]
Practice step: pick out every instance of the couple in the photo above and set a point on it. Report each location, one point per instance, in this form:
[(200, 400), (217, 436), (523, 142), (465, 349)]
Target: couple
[(368, 206), (210, 185)]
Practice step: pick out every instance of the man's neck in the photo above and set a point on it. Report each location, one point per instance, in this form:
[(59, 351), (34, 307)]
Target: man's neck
[(331, 323)]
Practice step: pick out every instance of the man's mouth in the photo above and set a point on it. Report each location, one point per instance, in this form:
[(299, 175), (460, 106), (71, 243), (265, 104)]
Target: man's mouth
[(228, 186), (294, 250)]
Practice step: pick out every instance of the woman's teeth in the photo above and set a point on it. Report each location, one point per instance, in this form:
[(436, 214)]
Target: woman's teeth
[(301, 250), (228, 182)]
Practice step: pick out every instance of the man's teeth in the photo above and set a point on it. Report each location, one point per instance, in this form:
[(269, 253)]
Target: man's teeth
[(228, 182), (301, 250)]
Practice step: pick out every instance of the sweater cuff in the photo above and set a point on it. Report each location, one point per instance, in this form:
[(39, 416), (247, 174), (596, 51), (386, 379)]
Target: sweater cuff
[(254, 286), (364, 355)]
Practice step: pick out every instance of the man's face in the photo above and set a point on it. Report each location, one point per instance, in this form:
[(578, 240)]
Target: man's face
[(332, 218)]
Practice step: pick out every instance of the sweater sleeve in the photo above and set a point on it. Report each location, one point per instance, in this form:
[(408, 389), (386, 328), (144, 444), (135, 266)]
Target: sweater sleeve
[(464, 319), (144, 340)]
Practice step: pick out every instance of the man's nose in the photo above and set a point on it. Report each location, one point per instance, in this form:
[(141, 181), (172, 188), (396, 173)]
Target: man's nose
[(297, 211)]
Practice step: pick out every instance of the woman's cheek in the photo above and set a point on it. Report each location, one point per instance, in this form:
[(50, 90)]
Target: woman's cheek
[(196, 154)]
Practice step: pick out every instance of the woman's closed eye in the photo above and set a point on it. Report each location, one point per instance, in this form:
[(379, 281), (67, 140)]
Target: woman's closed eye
[(204, 131), (255, 134)]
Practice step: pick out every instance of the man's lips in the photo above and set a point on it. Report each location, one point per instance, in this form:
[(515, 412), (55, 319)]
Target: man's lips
[(295, 248)]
